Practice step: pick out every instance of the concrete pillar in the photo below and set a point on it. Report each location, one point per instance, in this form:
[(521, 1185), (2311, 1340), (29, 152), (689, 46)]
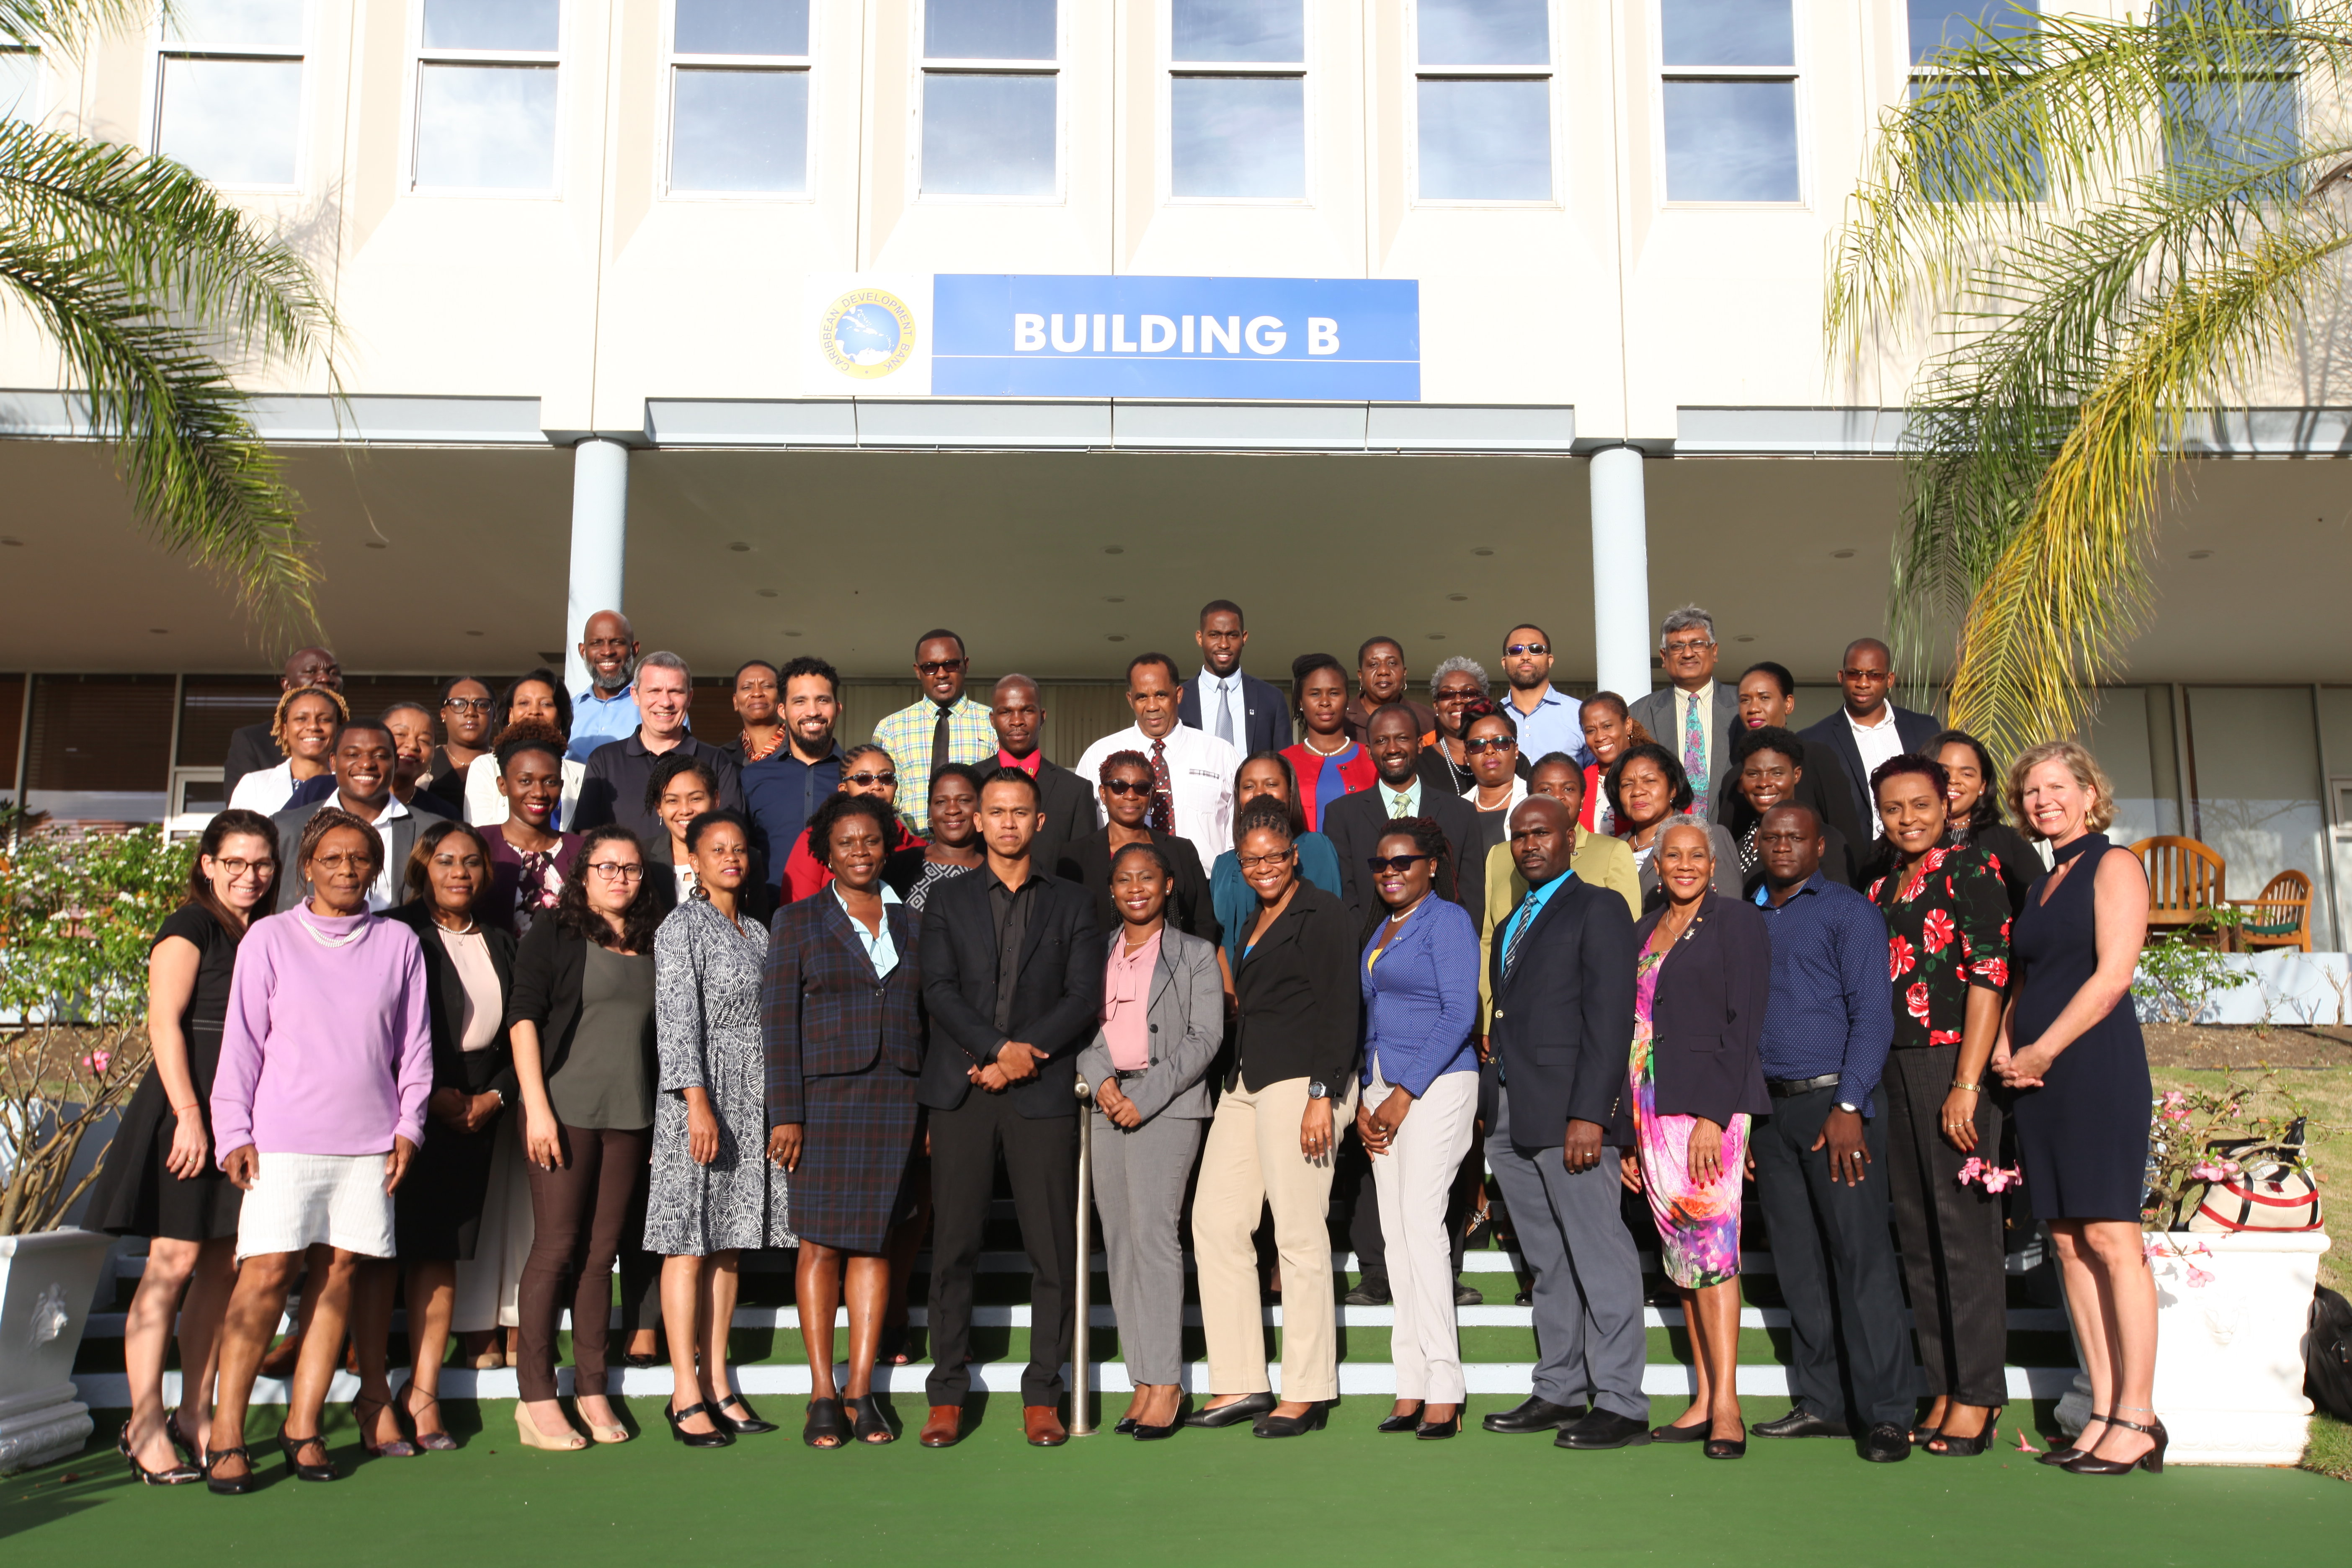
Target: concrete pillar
[(1620, 573), (600, 537)]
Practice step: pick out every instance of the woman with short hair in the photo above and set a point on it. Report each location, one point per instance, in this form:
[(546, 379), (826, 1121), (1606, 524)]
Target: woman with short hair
[(1768, 769), (536, 695), (680, 787), (1647, 790), (1608, 731), (1326, 762), (530, 859), (159, 1180), (953, 848), (1454, 686), (318, 1107), (464, 708), (304, 726), (1490, 740), (1265, 780), (1125, 784), (865, 770)]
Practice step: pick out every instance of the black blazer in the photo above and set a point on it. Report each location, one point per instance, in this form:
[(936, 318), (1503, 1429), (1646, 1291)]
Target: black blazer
[(1297, 1002), (490, 1069), (1068, 803), (1564, 1022), (250, 751), (1706, 1016), (551, 965), (1354, 825), (1265, 713), (1835, 736), (1056, 997), (1087, 863)]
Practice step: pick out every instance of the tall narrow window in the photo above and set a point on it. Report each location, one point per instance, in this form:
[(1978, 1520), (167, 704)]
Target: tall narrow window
[(228, 90), (2241, 111), (739, 112), (486, 94), (20, 85), (992, 123), (1237, 99), (1483, 99), (1730, 100), (1940, 27)]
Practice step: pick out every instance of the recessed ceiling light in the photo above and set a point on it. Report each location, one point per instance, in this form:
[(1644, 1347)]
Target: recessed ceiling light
[(1437, 636), (1118, 637), (1115, 599), (1840, 555), (767, 593), (2200, 555), (740, 548), (1114, 549), (159, 631), (375, 544), (1456, 599), (473, 633), (792, 634), (1743, 639), (1484, 549), (13, 544)]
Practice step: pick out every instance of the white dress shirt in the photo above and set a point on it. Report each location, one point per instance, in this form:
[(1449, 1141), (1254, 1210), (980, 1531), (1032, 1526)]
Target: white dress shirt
[(267, 790), (1231, 687), (1879, 743), (387, 889), (1200, 782)]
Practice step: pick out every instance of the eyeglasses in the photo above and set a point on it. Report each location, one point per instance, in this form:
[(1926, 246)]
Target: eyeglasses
[(885, 780), (361, 862), (1267, 862), (617, 870), (1491, 744), (928, 668), (1395, 862), (1521, 650), (236, 869), (1127, 786), (1865, 675), (1688, 646), (467, 704)]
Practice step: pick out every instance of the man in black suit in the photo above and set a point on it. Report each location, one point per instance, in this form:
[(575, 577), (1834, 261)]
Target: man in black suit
[(1562, 978), (1013, 976), (251, 748), (1867, 729), (1354, 822), (361, 764), (1768, 701), (1065, 802), (1240, 709)]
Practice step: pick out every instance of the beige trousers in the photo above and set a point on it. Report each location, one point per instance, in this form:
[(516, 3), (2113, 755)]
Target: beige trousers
[(1252, 1160), (1413, 1182)]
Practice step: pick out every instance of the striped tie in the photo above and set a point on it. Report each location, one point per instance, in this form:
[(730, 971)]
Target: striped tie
[(1526, 918)]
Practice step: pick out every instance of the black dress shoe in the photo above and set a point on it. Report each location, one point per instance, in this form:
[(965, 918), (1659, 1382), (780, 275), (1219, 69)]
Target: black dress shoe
[(1123, 1425), (1604, 1429), (1370, 1291), (1468, 1295), (1305, 1421), (1143, 1434), (1886, 1444), (1799, 1423), (1695, 1433), (1402, 1423), (744, 1426), (1536, 1413), (1248, 1407)]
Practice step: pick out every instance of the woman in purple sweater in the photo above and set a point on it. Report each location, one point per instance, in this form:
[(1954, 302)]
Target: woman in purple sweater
[(317, 1106)]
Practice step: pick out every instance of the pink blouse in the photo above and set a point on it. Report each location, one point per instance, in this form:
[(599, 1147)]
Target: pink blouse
[(1127, 1002)]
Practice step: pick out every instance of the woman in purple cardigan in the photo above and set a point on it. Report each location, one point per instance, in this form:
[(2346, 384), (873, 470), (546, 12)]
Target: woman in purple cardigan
[(1701, 980), (318, 1107), (1420, 1073)]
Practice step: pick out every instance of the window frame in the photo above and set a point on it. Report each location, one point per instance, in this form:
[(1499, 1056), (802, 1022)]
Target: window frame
[(413, 99), (1800, 109), (161, 49), (37, 92), (1169, 69), (1918, 75), (1549, 73), (802, 64), (921, 66)]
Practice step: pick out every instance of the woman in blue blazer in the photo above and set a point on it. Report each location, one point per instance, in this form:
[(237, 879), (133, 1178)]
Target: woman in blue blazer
[(1420, 980), (1701, 982)]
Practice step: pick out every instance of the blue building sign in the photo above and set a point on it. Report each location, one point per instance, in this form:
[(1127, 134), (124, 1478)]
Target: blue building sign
[(1346, 340)]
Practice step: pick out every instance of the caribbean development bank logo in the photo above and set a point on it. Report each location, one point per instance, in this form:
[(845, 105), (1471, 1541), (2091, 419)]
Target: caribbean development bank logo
[(868, 334)]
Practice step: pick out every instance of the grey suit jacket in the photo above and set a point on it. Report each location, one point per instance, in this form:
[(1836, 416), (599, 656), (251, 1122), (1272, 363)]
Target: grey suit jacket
[(1655, 713), (1188, 1026), (399, 837)]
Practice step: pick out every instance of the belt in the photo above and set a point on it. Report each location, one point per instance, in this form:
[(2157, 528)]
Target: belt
[(1782, 1088), (1125, 1073)]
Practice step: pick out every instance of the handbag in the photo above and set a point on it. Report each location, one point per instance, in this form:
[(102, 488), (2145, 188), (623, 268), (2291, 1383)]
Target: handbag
[(2328, 1355), (2271, 1189)]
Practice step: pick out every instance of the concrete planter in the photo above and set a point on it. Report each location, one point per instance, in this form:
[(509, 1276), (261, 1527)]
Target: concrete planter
[(46, 1280)]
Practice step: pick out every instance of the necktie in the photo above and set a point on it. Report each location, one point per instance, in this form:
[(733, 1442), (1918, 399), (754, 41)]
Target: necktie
[(1399, 803), (1224, 715), (1526, 918), (1695, 750), (1163, 799), (940, 757)]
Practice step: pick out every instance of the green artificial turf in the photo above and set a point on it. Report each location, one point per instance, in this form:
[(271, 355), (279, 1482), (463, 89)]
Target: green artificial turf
[(1340, 1495)]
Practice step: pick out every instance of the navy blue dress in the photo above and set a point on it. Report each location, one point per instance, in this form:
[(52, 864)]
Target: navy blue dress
[(2082, 1137)]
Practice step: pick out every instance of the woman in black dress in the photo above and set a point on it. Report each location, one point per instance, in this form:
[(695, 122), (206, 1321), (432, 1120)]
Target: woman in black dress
[(2071, 1049), (161, 1179), (1974, 812), (844, 1036), (437, 1212)]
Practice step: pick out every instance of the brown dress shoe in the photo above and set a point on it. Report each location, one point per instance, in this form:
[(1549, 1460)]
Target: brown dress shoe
[(1043, 1426), (943, 1427)]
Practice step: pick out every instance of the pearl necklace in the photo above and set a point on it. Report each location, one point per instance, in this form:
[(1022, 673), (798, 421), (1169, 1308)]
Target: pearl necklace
[(321, 938)]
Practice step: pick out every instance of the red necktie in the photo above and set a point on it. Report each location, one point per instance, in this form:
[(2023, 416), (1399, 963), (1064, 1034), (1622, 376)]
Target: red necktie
[(1163, 799)]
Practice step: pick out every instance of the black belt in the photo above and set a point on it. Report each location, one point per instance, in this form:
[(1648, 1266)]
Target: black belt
[(1782, 1088), (1125, 1073)]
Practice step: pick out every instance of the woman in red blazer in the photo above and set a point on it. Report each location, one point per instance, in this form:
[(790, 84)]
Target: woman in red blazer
[(1327, 762)]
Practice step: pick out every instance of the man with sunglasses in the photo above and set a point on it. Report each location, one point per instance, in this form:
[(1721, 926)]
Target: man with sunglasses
[(619, 772), (944, 725), (1548, 721)]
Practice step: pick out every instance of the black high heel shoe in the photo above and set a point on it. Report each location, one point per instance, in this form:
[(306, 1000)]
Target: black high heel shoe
[(234, 1486), (1249, 1406), (292, 1448), (868, 1426), (824, 1420), (1968, 1447), (1438, 1431), (1308, 1420), (179, 1475), (747, 1424), (718, 1437), (1403, 1423), (1146, 1433), (2152, 1462), (2072, 1451)]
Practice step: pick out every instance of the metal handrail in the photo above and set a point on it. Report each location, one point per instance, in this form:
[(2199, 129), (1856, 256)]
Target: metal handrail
[(1081, 1425)]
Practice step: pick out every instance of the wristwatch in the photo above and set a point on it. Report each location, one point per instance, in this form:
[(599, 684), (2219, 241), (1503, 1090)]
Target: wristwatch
[(1318, 1090), (1849, 1109)]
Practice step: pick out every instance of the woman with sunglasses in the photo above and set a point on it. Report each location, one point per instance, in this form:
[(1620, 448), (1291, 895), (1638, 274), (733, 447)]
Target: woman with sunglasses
[(1126, 793), (1271, 1141), (1326, 762), (1490, 740), (865, 770), (1419, 983), (581, 1020), (1453, 687), (540, 696)]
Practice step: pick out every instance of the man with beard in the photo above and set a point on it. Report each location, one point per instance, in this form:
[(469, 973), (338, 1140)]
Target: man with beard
[(608, 709)]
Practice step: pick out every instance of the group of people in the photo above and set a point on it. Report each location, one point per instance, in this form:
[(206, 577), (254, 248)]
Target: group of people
[(474, 1008)]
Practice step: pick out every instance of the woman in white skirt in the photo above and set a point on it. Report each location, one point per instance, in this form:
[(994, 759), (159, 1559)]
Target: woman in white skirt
[(318, 1107)]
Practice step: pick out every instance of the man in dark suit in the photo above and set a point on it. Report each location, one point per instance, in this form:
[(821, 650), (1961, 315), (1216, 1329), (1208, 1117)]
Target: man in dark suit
[(1065, 802), (1867, 729), (1686, 648), (1013, 976), (1240, 709), (1354, 822), (251, 748), (1562, 978), (362, 763)]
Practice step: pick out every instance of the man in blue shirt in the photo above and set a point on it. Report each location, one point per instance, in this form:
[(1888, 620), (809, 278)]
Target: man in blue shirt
[(782, 790), (608, 709), (1548, 721), (1827, 1029)]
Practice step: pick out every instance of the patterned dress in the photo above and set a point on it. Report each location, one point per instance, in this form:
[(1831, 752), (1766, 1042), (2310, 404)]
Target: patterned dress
[(707, 1018), (1698, 1227)]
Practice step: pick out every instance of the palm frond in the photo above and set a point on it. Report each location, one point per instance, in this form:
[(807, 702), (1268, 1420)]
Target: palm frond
[(67, 27)]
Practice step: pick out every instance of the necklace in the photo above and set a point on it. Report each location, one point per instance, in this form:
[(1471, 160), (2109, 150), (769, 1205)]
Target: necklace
[(321, 938), (1330, 751), (469, 928), (762, 753)]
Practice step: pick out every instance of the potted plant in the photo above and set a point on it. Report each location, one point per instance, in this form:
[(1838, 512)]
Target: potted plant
[(77, 912), (2231, 1304)]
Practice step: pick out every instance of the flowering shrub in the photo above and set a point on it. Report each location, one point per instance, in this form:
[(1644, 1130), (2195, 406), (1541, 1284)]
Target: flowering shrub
[(2197, 1137), (77, 913), (1992, 1178)]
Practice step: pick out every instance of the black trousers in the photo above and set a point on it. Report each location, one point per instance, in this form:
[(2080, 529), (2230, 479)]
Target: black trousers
[(1850, 1356), (1041, 1157), (1950, 1234)]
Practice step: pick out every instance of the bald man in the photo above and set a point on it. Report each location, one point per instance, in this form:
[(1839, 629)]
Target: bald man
[(1016, 711), (251, 748), (1868, 727), (608, 709)]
